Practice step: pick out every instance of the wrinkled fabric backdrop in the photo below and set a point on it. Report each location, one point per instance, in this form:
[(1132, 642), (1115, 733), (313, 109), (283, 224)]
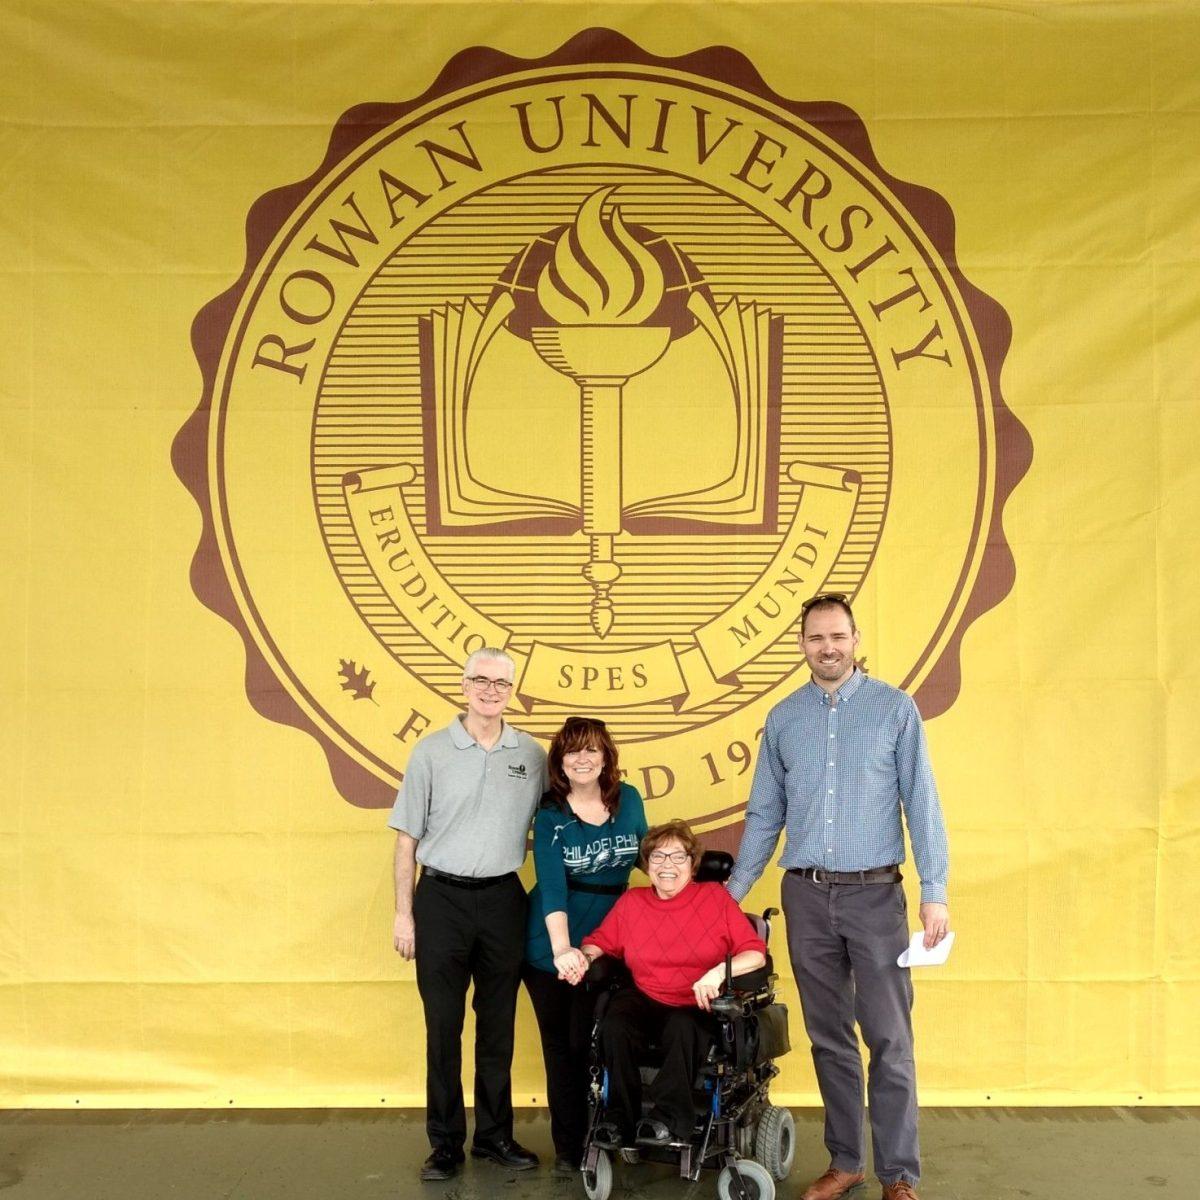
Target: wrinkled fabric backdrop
[(191, 913)]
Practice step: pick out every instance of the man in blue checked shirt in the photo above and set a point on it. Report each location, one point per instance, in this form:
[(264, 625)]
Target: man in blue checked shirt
[(842, 759)]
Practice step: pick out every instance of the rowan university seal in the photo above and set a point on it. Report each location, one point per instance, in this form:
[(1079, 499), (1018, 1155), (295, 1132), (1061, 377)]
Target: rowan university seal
[(612, 361)]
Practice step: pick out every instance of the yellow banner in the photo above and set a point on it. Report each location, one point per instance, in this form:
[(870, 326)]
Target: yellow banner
[(446, 620), (797, 571), (609, 339)]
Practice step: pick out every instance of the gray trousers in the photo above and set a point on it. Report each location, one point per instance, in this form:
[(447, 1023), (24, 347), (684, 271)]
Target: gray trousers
[(844, 940)]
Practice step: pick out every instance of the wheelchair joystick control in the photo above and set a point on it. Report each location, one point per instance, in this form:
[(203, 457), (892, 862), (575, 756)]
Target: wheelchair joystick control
[(727, 1006)]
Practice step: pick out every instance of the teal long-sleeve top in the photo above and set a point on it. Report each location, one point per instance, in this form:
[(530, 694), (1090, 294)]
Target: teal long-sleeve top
[(566, 848)]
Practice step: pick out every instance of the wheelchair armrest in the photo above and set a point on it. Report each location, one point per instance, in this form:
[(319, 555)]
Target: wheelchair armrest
[(605, 972), (747, 989), (753, 981)]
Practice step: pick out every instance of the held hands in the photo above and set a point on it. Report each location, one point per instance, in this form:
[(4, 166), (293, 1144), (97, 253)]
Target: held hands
[(708, 987), (936, 919), (571, 965), (404, 936)]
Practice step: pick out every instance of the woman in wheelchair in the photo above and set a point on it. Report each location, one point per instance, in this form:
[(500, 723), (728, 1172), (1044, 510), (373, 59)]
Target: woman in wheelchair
[(674, 937)]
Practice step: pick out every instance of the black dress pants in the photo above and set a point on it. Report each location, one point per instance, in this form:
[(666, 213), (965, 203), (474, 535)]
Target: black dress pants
[(684, 1034), (464, 936), (564, 1017)]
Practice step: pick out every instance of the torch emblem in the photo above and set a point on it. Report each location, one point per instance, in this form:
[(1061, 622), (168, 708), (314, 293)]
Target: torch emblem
[(610, 307), (599, 288)]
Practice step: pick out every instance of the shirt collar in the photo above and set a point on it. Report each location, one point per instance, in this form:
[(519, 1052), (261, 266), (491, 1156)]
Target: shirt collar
[(843, 693), (851, 685), (464, 741), (459, 735)]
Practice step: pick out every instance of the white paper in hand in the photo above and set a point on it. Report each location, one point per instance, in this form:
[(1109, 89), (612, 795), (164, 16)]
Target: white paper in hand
[(917, 956)]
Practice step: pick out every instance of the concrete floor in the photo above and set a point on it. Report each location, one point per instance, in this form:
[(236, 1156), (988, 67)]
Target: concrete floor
[(984, 1154)]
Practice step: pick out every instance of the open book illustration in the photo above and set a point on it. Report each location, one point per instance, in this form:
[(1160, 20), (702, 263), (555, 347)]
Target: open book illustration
[(603, 360)]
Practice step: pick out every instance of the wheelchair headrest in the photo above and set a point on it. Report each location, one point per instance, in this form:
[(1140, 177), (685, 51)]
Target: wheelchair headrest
[(715, 866)]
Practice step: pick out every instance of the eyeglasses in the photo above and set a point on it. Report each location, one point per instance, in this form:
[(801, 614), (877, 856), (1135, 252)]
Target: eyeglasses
[(822, 597), (678, 857), (481, 683)]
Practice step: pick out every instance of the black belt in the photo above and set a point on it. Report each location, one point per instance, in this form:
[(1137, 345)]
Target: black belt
[(596, 889), (465, 881), (875, 875)]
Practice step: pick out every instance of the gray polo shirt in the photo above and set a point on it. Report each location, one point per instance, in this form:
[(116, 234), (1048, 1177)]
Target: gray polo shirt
[(470, 808)]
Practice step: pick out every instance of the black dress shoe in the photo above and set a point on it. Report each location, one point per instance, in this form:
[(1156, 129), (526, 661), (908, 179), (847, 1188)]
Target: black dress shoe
[(566, 1166), (506, 1152), (443, 1163), (607, 1136), (651, 1132)]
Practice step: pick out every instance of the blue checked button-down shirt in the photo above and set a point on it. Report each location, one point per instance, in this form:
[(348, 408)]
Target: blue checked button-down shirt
[(834, 772)]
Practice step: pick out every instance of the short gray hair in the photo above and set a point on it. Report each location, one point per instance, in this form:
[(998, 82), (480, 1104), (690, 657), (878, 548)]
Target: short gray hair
[(489, 654)]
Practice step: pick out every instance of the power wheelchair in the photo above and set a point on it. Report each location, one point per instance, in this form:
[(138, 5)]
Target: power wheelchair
[(737, 1129)]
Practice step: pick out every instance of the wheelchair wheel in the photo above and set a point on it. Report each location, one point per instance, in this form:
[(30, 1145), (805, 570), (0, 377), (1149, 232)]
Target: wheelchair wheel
[(756, 1179), (598, 1184), (775, 1141)]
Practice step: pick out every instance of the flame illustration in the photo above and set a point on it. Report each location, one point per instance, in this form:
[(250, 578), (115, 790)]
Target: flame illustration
[(600, 273)]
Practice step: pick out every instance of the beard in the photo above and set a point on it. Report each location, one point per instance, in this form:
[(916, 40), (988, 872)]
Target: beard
[(831, 670)]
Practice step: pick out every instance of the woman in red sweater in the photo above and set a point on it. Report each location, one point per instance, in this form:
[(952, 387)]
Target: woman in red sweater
[(674, 937)]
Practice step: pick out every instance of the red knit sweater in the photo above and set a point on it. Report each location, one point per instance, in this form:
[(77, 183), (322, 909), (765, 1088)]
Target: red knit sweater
[(669, 944)]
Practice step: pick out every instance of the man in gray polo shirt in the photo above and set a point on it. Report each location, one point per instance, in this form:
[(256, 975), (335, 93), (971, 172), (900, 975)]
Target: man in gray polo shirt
[(463, 813)]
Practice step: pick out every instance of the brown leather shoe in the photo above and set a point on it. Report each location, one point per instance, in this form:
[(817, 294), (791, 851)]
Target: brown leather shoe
[(900, 1190), (832, 1184)]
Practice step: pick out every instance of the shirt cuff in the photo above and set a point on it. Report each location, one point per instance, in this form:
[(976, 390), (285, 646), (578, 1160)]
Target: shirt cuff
[(933, 893), (738, 887)]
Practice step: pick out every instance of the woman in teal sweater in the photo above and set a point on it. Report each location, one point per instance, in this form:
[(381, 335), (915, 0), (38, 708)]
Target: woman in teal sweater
[(586, 836)]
